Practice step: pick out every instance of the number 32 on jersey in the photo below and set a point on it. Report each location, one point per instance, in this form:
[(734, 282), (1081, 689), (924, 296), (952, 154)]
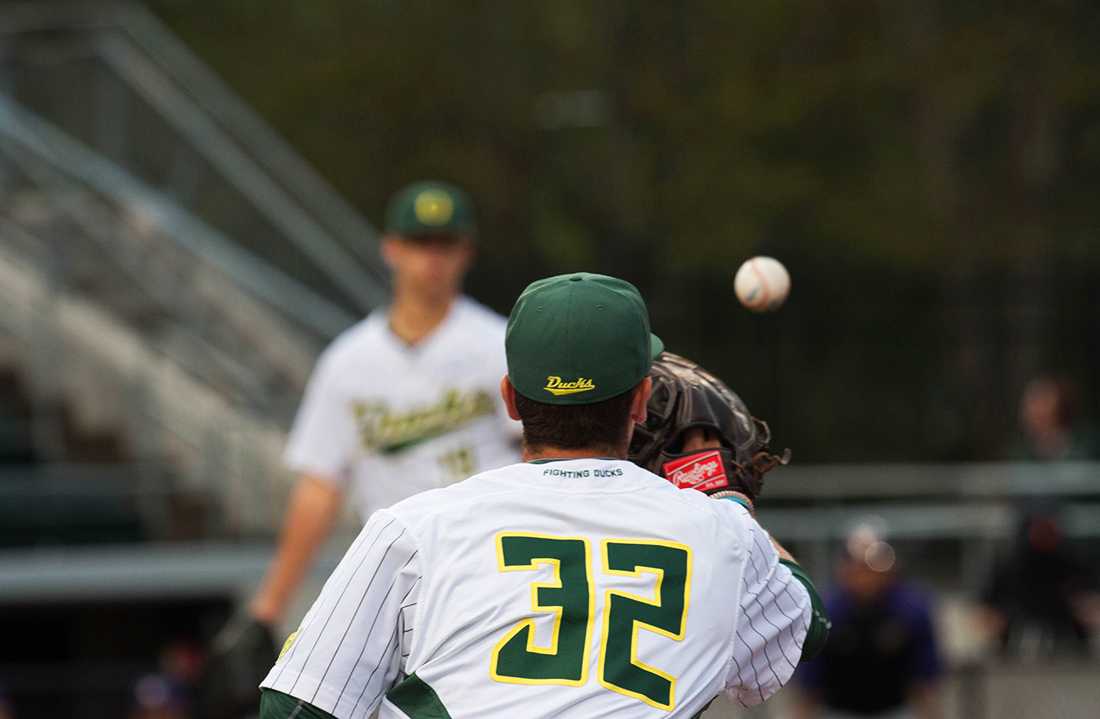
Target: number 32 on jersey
[(570, 599)]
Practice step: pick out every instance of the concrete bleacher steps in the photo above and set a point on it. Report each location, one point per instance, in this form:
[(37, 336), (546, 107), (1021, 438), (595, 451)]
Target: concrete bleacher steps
[(113, 379)]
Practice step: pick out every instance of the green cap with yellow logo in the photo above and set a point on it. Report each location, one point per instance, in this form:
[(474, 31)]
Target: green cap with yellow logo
[(430, 208), (579, 339)]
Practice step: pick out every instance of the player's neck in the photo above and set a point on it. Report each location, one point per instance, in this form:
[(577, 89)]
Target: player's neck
[(1052, 443), (412, 318), (543, 453)]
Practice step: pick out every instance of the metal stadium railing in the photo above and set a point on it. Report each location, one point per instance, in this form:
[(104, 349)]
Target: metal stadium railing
[(138, 194), (113, 77)]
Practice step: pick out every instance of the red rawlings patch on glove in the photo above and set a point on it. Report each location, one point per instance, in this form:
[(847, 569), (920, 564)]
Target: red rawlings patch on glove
[(703, 471)]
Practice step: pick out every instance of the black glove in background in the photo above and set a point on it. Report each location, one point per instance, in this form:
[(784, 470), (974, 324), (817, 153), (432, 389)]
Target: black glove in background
[(240, 657)]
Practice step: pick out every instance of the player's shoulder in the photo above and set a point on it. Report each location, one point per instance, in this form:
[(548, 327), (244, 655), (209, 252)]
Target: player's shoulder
[(692, 499), (684, 505), (349, 344), (714, 517), (424, 508), (473, 314), (689, 508)]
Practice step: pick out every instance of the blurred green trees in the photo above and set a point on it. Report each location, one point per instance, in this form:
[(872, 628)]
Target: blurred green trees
[(927, 170)]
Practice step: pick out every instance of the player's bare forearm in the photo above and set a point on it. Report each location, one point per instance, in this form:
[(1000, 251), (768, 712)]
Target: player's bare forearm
[(314, 507)]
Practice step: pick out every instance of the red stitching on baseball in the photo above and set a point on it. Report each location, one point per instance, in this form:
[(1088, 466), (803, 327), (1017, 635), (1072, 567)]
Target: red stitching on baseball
[(763, 282)]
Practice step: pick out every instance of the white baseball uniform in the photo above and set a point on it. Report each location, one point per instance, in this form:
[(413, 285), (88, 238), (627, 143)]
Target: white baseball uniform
[(577, 588), (392, 420)]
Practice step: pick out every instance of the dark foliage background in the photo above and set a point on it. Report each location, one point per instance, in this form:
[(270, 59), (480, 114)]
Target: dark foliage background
[(927, 171)]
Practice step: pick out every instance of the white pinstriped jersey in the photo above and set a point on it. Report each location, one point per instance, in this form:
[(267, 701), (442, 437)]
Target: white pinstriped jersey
[(576, 588), (392, 420)]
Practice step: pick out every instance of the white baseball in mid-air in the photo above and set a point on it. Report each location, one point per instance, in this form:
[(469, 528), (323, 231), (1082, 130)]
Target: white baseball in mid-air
[(762, 284)]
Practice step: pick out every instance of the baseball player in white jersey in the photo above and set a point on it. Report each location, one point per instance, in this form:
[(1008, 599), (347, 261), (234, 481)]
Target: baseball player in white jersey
[(391, 420), (405, 401), (574, 584)]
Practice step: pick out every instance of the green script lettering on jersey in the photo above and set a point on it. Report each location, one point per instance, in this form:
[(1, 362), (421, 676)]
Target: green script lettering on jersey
[(570, 597), (385, 430)]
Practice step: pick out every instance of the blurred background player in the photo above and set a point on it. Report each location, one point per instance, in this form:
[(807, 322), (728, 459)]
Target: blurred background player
[(881, 659), (1041, 599), (1050, 421), (404, 401)]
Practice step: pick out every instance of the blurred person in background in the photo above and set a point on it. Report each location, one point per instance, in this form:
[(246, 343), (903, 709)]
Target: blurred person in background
[(158, 696), (881, 659), (404, 401), (6, 709), (1041, 600), (1050, 419), (181, 663), (169, 692)]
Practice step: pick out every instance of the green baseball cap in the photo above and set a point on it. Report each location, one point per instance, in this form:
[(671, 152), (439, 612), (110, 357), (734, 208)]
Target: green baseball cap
[(579, 339), (430, 208)]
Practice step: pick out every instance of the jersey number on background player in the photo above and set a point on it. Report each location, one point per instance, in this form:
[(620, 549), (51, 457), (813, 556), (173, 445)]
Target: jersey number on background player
[(571, 599)]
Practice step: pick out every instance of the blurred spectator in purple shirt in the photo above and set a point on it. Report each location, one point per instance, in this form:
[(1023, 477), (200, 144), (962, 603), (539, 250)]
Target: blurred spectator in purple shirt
[(157, 696), (881, 659)]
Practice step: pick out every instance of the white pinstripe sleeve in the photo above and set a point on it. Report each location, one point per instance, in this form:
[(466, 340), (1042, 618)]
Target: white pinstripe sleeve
[(348, 650), (772, 625)]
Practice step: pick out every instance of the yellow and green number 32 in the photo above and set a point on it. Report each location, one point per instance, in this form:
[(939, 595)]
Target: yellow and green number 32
[(570, 599)]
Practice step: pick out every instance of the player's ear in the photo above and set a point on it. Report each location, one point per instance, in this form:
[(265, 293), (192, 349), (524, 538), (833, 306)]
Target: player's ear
[(391, 245), (508, 394), (641, 400), (469, 250)]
